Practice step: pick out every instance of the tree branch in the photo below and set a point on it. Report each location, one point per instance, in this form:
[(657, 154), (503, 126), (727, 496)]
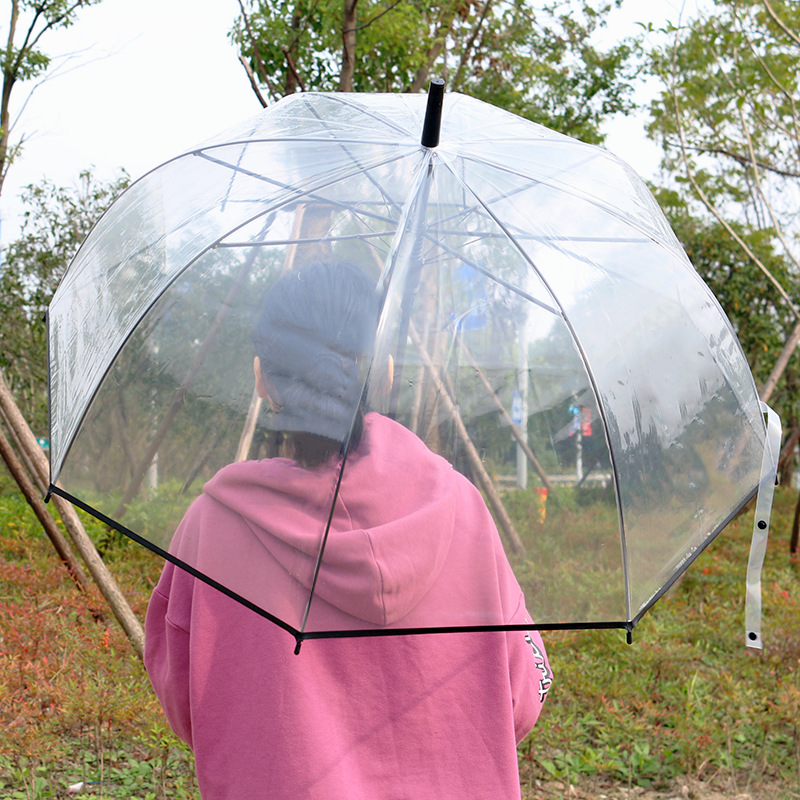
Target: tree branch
[(30, 43), (435, 49), (781, 24), (713, 209), (781, 363), (466, 52), (778, 85), (745, 161), (253, 82), (757, 178), (292, 70), (376, 17), (262, 73)]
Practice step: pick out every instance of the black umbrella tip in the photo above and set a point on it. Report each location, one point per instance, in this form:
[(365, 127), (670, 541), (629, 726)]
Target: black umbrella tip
[(433, 114)]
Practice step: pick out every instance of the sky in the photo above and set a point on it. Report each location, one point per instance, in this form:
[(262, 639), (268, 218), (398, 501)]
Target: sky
[(139, 81)]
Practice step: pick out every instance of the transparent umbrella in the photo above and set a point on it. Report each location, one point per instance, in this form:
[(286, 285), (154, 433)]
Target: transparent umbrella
[(537, 324)]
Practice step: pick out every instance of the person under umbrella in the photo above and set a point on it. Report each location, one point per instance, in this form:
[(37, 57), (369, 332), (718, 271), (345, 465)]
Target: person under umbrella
[(422, 716)]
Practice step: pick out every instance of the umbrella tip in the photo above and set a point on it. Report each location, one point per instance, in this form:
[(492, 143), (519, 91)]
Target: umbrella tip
[(433, 114)]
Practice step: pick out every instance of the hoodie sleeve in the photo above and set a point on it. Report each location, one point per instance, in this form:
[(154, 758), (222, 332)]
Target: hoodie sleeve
[(530, 675), (166, 656)]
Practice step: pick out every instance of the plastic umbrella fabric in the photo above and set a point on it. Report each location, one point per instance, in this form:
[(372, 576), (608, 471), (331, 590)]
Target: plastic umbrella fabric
[(548, 336)]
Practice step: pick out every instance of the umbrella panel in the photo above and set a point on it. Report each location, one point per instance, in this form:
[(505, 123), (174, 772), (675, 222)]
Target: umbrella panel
[(479, 353), (169, 218), (680, 409)]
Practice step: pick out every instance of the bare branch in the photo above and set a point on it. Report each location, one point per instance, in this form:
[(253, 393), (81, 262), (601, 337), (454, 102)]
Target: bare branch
[(781, 24), (439, 39), (744, 160), (292, 69), (299, 24), (775, 82), (466, 52), (709, 204), (781, 363), (757, 178), (253, 81), (375, 17), (262, 73)]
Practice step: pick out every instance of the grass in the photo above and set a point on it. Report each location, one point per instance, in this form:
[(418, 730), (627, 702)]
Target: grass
[(685, 702), (75, 703), (686, 699)]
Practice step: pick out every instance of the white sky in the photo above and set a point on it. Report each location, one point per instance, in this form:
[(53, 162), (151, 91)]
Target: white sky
[(150, 78)]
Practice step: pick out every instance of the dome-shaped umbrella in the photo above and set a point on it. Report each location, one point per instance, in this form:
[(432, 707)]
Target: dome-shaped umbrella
[(536, 323)]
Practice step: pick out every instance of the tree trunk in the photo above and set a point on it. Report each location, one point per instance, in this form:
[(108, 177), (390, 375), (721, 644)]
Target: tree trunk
[(349, 21), (439, 41), (9, 77), (467, 50), (781, 364)]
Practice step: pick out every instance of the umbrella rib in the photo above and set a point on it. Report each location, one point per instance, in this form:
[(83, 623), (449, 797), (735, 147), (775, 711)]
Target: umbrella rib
[(297, 194), (363, 109), (342, 143), (589, 373), (584, 197), (504, 283), (529, 180), (311, 240), (365, 633), (291, 140), (311, 193), (690, 559), (272, 182), (178, 562), (520, 235)]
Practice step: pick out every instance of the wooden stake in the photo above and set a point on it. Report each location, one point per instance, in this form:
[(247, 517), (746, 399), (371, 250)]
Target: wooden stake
[(83, 544), (482, 476), (246, 440), (514, 429), (58, 540)]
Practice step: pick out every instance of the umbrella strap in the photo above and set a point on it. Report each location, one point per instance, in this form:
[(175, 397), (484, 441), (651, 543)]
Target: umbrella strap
[(758, 547)]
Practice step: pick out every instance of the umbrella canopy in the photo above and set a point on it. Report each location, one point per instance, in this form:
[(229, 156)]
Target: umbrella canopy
[(536, 323)]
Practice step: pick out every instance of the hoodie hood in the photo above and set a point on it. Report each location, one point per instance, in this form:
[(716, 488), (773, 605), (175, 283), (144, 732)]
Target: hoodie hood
[(389, 533)]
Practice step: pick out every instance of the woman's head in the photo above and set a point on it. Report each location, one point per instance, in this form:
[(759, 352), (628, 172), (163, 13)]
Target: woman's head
[(312, 340)]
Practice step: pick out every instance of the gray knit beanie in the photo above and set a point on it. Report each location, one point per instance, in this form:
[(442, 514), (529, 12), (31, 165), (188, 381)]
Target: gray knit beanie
[(314, 336)]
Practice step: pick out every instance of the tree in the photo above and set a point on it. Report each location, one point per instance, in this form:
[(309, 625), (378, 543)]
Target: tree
[(55, 222), (537, 60), (761, 319), (727, 118), (21, 59)]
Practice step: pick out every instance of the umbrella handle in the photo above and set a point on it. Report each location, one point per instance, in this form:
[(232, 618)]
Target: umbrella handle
[(758, 547)]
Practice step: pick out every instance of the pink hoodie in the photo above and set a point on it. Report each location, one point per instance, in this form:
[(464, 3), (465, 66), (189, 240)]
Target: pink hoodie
[(411, 544)]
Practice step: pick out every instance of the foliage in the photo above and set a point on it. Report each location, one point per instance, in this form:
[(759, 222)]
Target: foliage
[(55, 222), (22, 58), (75, 703), (535, 59), (728, 122), (730, 82), (760, 318)]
